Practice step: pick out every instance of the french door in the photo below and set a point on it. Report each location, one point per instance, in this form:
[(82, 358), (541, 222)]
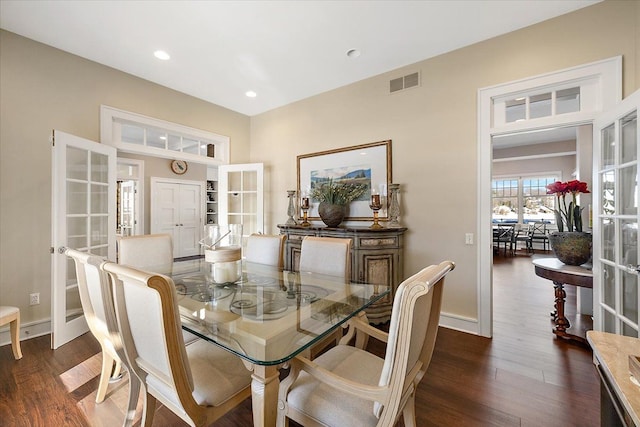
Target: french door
[(241, 197), (83, 217), (616, 218)]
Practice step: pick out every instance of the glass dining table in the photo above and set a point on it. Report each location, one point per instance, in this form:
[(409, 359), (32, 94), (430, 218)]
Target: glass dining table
[(267, 317)]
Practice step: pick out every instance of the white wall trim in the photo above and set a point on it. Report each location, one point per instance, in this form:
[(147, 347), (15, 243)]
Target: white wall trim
[(459, 323), (27, 331), (536, 156), (605, 74)]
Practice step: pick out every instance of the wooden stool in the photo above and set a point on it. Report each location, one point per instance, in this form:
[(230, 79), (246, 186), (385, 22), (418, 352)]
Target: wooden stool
[(11, 315)]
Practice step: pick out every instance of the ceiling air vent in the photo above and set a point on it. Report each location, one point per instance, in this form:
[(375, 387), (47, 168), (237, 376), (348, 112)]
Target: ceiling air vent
[(406, 82)]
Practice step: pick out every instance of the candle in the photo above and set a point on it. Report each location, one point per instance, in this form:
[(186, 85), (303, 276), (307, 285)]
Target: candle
[(305, 203), (375, 200)]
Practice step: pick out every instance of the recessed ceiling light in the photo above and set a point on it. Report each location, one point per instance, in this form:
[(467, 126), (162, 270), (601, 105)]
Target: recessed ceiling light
[(251, 94), (161, 54), (353, 53)]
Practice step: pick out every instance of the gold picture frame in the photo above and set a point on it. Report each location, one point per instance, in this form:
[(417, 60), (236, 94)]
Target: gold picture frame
[(371, 162)]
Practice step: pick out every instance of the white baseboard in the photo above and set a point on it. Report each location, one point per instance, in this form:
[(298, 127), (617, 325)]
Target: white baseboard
[(459, 323), (27, 331)]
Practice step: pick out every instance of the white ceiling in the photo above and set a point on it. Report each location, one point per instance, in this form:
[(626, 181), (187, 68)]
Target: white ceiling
[(283, 50)]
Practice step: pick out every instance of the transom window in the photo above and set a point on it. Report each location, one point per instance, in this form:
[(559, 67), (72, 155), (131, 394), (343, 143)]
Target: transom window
[(523, 199), (135, 133)]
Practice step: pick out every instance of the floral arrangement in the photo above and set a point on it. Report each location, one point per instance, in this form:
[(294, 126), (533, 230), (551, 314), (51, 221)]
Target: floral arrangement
[(569, 216), (337, 193)]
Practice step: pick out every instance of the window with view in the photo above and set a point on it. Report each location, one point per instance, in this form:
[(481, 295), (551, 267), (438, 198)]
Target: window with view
[(523, 200)]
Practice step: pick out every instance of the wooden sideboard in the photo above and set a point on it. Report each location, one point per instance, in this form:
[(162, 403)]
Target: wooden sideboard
[(376, 257)]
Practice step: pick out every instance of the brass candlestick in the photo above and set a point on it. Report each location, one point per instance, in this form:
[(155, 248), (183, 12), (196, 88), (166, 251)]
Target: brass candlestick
[(375, 205), (304, 205)]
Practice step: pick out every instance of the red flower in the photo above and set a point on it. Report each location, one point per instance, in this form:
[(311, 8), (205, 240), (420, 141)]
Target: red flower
[(558, 188), (576, 186)]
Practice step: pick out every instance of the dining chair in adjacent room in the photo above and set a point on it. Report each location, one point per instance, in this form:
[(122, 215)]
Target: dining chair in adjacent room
[(540, 234), (349, 387), (148, 251), (199, 382), (94, 289), (265, 249)]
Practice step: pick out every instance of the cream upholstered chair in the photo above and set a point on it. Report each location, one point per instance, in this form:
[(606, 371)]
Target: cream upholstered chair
[(199, 382), (330, 256), (347, 386), (11, 315), (326, 255), (265, 249), (94, 289), (149, 251)]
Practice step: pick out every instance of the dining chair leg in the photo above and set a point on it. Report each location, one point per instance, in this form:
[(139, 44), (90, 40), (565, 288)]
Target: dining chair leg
[(105, 375), (134, 396)]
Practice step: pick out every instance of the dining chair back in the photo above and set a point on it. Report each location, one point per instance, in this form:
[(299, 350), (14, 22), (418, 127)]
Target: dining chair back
[(149, 251), (347, 386), (265, 249), (326, 255), (199, 382), (95, 296)]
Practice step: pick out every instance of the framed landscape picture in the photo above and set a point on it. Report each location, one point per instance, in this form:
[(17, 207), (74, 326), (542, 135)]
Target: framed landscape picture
[(368, 164)]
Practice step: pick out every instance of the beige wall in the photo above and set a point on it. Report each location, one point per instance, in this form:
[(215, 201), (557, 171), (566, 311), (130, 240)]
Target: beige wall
[(434, 129), (42, 88)]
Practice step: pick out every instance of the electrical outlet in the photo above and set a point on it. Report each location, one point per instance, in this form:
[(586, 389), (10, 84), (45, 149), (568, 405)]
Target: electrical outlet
[(34, 299)]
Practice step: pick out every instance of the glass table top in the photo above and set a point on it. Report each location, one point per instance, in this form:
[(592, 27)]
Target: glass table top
[(268, 316)]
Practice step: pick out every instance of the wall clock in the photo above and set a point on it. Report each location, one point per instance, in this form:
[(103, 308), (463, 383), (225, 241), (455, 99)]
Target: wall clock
[(179, 166)]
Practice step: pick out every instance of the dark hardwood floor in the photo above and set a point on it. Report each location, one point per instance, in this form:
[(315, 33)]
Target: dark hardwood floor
[(523, 376)]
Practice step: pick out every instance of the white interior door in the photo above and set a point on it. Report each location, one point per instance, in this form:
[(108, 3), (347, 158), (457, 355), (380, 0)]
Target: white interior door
[(190, 218), (241, 194), (176, 209), (83, 218), (616, 215)]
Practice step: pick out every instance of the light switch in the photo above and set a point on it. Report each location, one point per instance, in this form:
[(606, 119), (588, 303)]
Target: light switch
[(468, 239)]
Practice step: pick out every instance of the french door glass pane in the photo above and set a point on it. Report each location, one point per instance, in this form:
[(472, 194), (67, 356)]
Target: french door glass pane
[(609, 285), (235, 181), (99, 168), (608, 239), (629, 145), (609, 322), (77, 167), (99, 230), (629, 331), (608, 192), (99, 199), (608, 146), (76, 198), (628, 190), (630, 296), (77, 232)]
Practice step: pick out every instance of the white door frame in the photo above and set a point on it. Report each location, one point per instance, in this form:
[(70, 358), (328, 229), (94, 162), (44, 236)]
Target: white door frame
[(606, 75)]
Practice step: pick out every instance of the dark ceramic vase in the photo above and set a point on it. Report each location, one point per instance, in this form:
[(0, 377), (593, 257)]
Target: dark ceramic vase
[(571, 247), (331, 215)]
